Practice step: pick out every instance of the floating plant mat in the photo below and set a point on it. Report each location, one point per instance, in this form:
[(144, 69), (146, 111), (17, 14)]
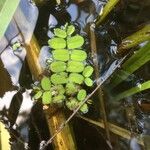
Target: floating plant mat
[(69, 71)]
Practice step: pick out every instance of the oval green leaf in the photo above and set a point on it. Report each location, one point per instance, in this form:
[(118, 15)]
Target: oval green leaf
[(62, 55), (78, 55), (38, 95), (71, 88), (87, 72), (75, 42), (70, 29), (57, 43), (46, 83), (46, 98), (60, 33), (58, 66), (84, 108), (61, 89), (74, 66), (81, 95), (58, 79), (88, 82), (76, 78)]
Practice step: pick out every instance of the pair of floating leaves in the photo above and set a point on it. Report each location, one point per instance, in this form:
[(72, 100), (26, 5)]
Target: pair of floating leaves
[(72, 42), (62, 33), (46, 97), (64, 55), (46, 94)]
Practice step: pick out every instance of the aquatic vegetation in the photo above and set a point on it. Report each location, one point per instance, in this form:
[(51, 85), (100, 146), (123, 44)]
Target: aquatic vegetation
[(69, 74), (69, 71), (7, 10)]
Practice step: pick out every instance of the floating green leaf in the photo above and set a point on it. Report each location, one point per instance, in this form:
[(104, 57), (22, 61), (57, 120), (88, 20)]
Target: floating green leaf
[(87, 72), (76, 78), (71, 88), (46, 83), (58, 79), (81, 95), (16, 45), (58, 66), (75, 42), (62, 55), (61, 89), (58, 99), (84, 108), (78, 55), (60, 33), (46, 98), (57, 43), (72, 104), (70, 29), (74, 66), (88, 82), (38, 95)]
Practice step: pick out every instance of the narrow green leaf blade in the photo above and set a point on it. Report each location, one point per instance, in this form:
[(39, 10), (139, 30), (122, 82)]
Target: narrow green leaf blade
[(132, 91), (7, 10), (137, 60)]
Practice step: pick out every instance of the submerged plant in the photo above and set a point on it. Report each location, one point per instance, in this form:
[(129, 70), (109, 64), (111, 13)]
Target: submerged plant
[(70, 72)]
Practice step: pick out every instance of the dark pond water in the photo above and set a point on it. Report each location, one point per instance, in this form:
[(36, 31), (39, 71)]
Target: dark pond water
[(127, 17)]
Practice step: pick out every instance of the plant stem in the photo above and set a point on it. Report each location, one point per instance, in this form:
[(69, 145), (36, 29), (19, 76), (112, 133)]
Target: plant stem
[(113, 128), (97, 75)]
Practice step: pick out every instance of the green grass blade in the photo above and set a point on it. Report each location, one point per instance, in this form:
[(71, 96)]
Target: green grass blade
[(137, 60), (7, 10), (107, 9), (134, 39), (132, 91)]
